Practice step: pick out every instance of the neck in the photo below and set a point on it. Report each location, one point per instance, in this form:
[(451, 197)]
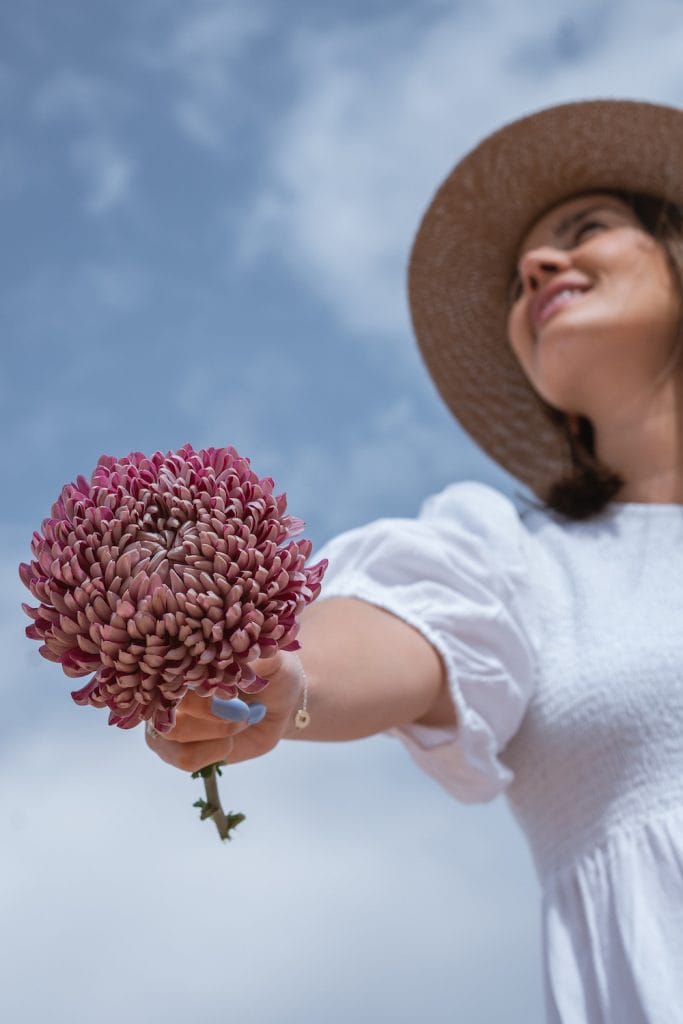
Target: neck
[(645, 446)]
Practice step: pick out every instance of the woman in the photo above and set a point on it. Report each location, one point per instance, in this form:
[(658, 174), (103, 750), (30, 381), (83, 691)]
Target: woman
[(537, 651)]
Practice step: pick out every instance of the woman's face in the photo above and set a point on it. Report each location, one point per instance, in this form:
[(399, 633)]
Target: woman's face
[(595, 309)]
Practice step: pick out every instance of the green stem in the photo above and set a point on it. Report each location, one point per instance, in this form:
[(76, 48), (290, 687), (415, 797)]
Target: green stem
[(211, 807)]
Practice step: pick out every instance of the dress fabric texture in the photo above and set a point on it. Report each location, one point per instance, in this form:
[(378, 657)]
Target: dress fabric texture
[(563, 646)]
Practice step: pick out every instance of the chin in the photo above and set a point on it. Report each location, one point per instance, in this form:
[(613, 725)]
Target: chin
[(561, 393), (560, 384)]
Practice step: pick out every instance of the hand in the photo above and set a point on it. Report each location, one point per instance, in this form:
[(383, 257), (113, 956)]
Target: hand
[(200, 737)]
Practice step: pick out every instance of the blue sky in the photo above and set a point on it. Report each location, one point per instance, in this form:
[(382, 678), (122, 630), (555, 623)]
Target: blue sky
[(207, 207)]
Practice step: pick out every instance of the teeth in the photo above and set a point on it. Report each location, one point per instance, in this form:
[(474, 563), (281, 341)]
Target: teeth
[(563, 294), (565, 291)]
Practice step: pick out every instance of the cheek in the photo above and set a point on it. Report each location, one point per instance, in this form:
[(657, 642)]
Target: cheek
[(518, 335), (670, 292), (646, 275), (655, 294)]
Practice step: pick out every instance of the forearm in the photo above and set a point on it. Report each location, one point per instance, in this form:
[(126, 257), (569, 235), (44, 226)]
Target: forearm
[(367, 671)]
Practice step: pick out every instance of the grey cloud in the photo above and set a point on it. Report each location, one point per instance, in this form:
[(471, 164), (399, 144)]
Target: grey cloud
[(107, 170), (376, 127), (339, 885), (92, 106), (198, 48)]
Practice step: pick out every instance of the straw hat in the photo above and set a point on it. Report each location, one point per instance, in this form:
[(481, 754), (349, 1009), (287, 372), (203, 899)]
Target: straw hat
[(466, 246)]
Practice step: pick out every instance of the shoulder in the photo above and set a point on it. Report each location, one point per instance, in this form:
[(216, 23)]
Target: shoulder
[(474, 504), (476, 515), (467, 531)]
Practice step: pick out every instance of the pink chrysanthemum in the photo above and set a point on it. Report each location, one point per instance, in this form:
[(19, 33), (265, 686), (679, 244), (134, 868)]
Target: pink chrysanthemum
[(166, 574)]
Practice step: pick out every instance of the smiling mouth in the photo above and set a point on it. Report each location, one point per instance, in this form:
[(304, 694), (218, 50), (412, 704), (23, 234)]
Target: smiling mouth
[(557, 302)]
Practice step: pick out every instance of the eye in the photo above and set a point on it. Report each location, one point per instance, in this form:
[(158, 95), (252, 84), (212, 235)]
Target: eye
[(587, 228)]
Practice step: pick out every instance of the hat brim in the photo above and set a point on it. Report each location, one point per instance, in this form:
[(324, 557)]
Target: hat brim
[(467, 243)]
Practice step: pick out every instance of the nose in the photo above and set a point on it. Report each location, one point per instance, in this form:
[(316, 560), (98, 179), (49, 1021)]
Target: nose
[(537, 265)]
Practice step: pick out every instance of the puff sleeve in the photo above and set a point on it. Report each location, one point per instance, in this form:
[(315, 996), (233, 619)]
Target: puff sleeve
[(459, 574)]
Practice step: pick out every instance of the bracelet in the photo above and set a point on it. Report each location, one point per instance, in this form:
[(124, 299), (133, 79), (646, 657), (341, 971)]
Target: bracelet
[(302, 717)]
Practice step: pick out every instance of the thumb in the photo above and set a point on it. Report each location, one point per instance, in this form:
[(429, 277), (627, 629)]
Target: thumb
[(267, 667)]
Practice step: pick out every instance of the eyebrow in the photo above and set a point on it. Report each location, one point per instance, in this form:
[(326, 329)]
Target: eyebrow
[(573, 218)]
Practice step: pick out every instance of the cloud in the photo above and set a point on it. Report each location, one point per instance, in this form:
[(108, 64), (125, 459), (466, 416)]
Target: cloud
[(126, 906), (91, 107), (199, 50), (107, 171), (382, 112)]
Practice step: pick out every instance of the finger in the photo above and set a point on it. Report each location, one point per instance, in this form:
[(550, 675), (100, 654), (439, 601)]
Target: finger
[(189, 730), (237, 710), (233, 710), (260, 672), (197, 706), (194, 706), (190, 757), (225, 718), (257, 712), (267, 667)]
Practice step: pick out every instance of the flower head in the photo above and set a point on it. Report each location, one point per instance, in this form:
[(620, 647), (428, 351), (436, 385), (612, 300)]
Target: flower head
[(167, 574)]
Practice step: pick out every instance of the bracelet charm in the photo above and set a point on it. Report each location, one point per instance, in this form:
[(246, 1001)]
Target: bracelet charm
[(302, 718)]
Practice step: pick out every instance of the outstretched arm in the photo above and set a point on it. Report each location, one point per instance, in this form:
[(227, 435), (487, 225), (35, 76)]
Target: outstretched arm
[(367, 671)]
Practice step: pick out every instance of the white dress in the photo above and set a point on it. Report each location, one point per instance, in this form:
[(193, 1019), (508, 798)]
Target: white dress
[(563, 644)]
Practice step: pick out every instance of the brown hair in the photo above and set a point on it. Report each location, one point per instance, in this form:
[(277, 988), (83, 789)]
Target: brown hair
[(591, 484)]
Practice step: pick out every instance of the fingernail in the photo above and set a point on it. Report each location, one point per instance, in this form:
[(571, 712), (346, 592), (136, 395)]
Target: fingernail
[(234, 710), (257, 712)]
